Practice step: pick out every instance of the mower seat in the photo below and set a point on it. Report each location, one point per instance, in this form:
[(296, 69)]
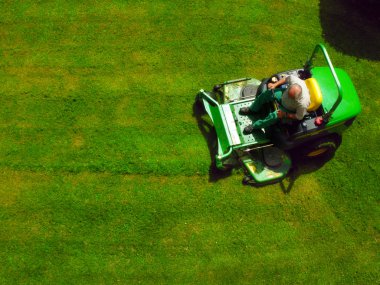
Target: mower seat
[(315, 94)]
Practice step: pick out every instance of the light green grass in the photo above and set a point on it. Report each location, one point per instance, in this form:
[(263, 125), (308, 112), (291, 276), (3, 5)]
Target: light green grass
[(105, 174)]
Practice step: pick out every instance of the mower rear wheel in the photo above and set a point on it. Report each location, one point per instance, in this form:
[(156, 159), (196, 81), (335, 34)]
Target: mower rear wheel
[(323, 147)]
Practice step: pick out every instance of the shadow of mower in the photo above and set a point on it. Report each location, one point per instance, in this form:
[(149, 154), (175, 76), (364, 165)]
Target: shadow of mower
[(302, 166)]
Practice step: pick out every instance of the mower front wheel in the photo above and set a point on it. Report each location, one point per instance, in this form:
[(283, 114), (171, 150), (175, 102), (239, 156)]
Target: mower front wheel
[(248, 180)]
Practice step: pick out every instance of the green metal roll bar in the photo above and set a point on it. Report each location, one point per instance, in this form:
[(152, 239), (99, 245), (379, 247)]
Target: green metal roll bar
[(308, 66)]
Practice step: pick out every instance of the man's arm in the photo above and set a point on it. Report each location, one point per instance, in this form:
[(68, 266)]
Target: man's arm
[(298, 115), (278, 83), (284, 115)]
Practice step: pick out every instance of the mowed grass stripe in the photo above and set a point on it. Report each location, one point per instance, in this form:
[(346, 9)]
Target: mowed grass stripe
[(104, 227), (117, 150)]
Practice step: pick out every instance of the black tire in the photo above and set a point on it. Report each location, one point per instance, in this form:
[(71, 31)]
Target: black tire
[(264, 84), (248, 180), (321, 148), (262, 87)]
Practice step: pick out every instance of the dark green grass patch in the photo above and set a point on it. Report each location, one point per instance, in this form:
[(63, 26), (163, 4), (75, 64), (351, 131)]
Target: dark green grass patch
[(105, 175)]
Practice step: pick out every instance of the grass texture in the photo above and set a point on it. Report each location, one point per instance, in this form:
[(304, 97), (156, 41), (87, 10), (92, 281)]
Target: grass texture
[(105, 175)]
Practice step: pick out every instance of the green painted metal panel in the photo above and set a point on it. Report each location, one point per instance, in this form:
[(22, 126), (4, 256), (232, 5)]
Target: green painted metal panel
[(255, 138), (217, 119), (263, 173), (215, 111), (349, 107)]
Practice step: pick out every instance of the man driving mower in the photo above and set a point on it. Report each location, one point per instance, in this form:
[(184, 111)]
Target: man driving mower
[(293, 102)]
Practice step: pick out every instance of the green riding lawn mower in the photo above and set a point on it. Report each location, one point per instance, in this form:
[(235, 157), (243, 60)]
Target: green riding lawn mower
[(266, 154)]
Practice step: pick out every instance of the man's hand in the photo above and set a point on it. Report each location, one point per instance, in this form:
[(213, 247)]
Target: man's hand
[(278, 83), (281, 114), (284, 115), (271, 85)]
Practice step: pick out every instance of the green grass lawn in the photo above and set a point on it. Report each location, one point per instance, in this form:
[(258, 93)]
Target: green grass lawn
[(105, 175)]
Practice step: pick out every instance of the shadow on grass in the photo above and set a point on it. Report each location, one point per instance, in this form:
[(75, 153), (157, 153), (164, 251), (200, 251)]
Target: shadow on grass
[(300, 167), (352, 27), (209, 134)]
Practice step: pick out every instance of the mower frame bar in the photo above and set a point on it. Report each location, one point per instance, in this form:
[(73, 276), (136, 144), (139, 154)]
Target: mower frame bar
[(308, 66)]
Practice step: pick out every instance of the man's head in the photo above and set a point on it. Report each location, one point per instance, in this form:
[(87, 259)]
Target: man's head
[(294, 91)]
